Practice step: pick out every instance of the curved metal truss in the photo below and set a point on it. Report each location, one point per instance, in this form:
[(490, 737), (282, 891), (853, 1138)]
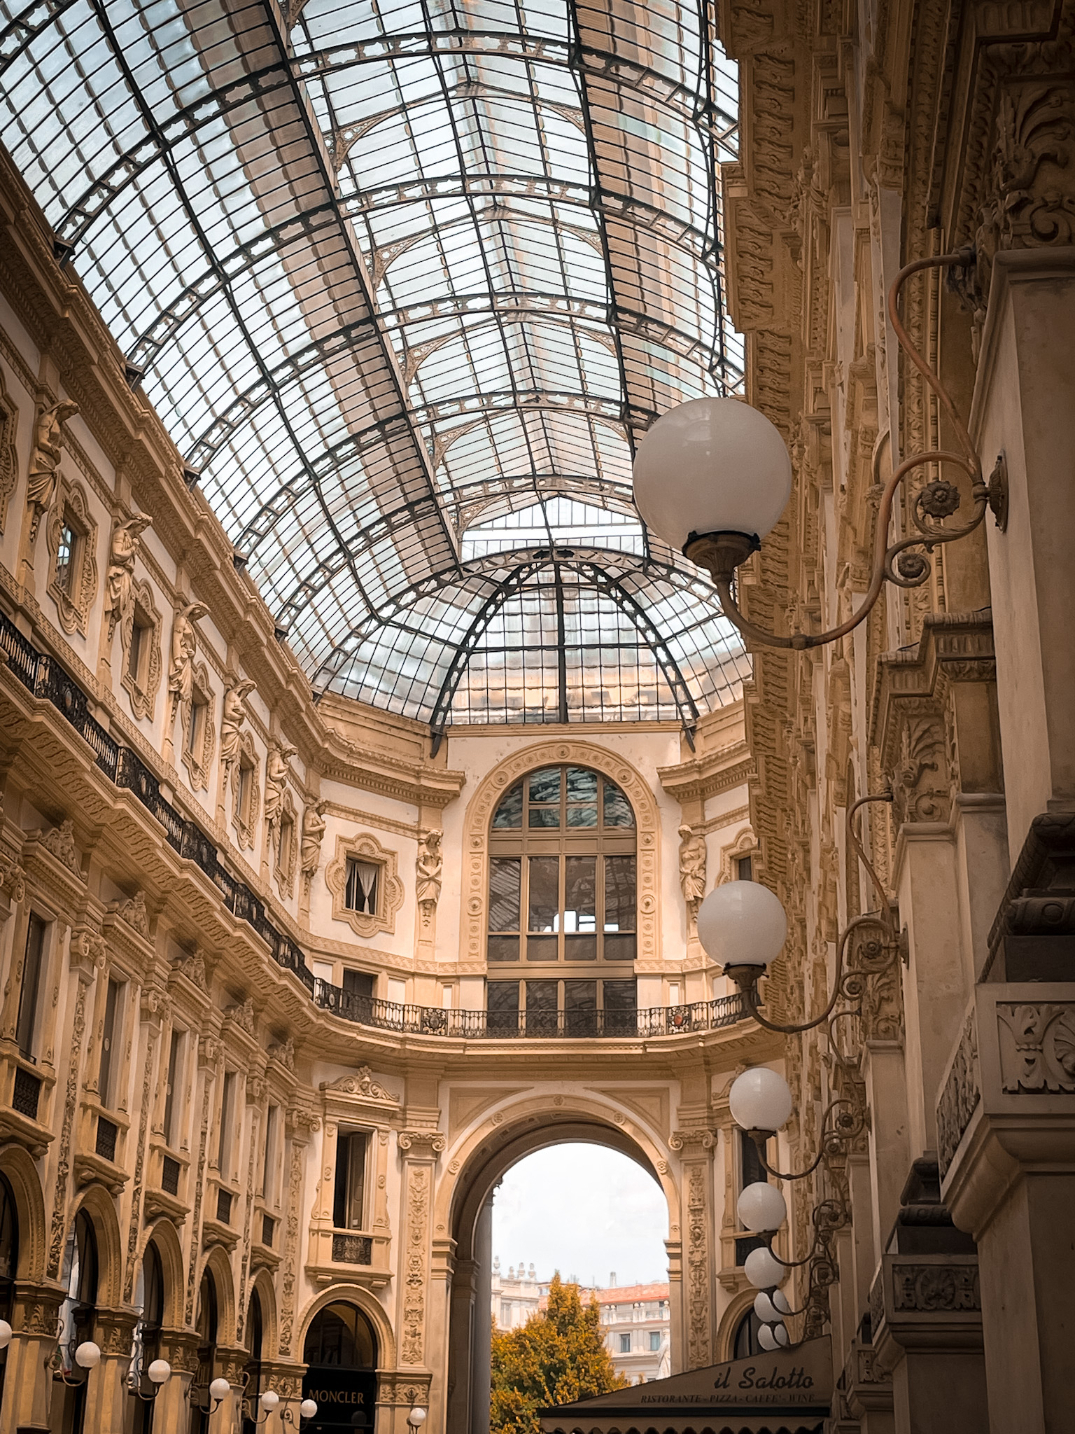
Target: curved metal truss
[(401, 293)]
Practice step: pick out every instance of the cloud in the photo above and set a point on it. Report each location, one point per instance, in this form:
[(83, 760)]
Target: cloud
[(585, 1211)]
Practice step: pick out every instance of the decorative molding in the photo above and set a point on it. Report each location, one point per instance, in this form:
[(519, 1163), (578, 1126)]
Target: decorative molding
[(245, 796), (479, 813), (124, 546), (197, 756), (141, 687), (429, 868), (184, 649), (412, 1340), (365, 847), (434, 1142), (362, 1083), (1037, 1047), (60, 841), (928, 1289), (133, 912), (960, 1097), (9, 453), (58, 1229), (75, 598)]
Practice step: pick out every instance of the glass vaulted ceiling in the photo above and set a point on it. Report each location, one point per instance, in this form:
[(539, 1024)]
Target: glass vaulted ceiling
[(405, 281)]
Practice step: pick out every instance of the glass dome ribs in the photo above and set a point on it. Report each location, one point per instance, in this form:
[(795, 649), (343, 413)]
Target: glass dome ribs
[(405, 281)]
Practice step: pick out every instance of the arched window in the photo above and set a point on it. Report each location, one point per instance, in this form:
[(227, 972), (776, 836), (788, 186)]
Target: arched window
[(149, 1297), (341, 1357), (252, 1392), (562, 907), (78, 1315), (745, 1345), (206, 1326), (9, 1262)]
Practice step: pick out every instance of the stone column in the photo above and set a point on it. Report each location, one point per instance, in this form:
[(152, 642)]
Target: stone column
[(106, 1388), (699, 1324), (481, 1345), (461, 1337), (28, 1377), (172, 1408), (419, 1150)]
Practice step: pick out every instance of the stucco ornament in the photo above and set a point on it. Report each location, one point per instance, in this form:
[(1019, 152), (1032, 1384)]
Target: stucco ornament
[(184, 650), (276, 775), (61, 842), (692, 859), (45, 459), (133, 912), (231, 722), (428, 871), (119, 581), (313, 832)]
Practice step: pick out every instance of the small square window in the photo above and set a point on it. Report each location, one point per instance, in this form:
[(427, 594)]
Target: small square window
[(744, 868), (66, 555), (625, 1344), (654, 1340), (363, 879)]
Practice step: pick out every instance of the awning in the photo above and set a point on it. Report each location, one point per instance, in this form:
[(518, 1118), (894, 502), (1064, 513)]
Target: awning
[(787, 1392)]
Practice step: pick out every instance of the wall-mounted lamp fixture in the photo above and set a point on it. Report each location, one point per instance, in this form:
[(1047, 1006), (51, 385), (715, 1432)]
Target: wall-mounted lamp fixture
[(712, 478), (416, 1418)]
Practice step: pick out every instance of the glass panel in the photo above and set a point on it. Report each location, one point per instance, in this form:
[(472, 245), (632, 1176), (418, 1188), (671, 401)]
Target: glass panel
[(581, 785), (619, 893), (618, 811), (510, 811), (619, 948), (65, 557), (544, 816), (544, 893), (542, 1017), (580, 948), (502, 1004), (361, 892), (505, 880), (580, 893), (582, 816), (545, 785), (503, 948), (620, 1000), (580, 1008), (542, 948)]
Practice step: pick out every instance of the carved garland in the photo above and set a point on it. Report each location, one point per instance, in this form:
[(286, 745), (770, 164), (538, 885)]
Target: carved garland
[(74, 598), (476, 839), (365, 847)]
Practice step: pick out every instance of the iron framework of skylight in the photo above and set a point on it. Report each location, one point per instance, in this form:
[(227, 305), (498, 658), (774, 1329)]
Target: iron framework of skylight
[(405, 281)]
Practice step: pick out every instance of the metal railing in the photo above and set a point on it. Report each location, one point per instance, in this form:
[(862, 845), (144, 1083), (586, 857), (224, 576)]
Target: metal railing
[(45, 678)]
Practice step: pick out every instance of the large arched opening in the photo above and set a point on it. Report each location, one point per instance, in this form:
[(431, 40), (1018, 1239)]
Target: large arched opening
[(533, 1127)]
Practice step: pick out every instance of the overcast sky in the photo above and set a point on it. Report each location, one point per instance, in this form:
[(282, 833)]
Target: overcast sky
[(585, 1211)]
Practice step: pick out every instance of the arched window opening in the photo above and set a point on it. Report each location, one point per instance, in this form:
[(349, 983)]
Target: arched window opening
[(78, 1315), (745, 1344), (252, 1391), (9, 1262), (562, 907), (206, 1326), (146, 1346), (341, 1357)]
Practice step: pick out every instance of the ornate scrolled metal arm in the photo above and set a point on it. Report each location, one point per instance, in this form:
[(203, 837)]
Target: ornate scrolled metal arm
[(933, 504)]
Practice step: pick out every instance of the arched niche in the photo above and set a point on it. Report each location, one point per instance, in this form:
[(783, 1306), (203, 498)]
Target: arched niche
[(479, 813), (165, 1237), (219, 1266), (100, 1209), (265, 1290), (371, 1307), (22, 1176)]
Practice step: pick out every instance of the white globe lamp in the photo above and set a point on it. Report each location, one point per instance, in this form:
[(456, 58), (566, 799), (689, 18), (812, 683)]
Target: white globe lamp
[(308, 1408), (760, 1100), (159, 1371), (269, 1400), (763, 1269), (416, 1418), (742, 925), (87, 1355), (761, 1208), (780, 1334), (767, 1339), (5, 1334), (219, 1389)]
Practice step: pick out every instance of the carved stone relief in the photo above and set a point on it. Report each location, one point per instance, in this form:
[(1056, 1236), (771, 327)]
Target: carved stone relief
[(142, 665), (389, 889), (286, 850), (412, 1343), (198, 745), (181, 663), (9, 456), (45, 459), (71, 539), (1037, 1047), (428, 869), (123, 548)]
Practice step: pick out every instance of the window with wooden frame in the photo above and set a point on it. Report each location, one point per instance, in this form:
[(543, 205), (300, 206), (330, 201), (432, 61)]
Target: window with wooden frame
[(246, 790), (562, 903), (349, 1191), (142, 651), (366, 889), (72, 540), (199, 734)]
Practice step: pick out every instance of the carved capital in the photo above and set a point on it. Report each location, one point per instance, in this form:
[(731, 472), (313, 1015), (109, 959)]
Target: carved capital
[(423, 1142)]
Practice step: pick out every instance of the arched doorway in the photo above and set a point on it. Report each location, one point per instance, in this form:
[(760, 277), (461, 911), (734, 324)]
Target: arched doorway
[(149, 1298), (340, 1352), (206, 1326), (471, 1223), (78, 1315), (9, 1263), (255, 1335)]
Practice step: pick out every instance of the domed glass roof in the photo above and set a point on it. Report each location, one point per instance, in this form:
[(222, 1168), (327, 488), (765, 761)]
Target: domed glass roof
[(405, 281)]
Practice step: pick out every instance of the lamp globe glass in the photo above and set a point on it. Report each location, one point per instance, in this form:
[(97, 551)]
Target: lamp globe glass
[(711, 465), (763, 1269), (159, 1371), (760, 1099), (780, 1334), (269, 1400), (308, 1408), (742, 923), (765, 1309), (87, 1355), (761, 1208), (219, 1389), (766, 1338), (417, 1417), (780, 1302), (5, 1334)]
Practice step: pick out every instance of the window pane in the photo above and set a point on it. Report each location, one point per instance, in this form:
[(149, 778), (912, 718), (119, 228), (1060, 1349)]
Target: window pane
[(510, 811), (744, 868), (580, 948), (580, 893), (620, 1000), (502, 1004), (619, 893), (618, 811), (542, 1018), (541, 948), (619, 948), (581, 785), (582, 816), (544, 817), (361, 893), (580, 1008), (545, 785), (503, 948), (65, 557), (544, 893), (505, 879)]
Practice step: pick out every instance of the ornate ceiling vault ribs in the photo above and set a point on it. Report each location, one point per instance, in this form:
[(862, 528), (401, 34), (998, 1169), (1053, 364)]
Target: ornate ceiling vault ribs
[(403, 275)]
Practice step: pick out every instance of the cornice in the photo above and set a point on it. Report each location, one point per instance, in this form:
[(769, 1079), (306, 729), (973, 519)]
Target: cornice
[(707, 776)]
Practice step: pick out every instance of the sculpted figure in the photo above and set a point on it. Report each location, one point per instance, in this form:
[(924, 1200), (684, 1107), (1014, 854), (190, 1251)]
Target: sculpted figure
[(429, 867), (45, 459), (313, 830), (276, 773), (184, 648), (119, 583), (692, 855), (232, 720)]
